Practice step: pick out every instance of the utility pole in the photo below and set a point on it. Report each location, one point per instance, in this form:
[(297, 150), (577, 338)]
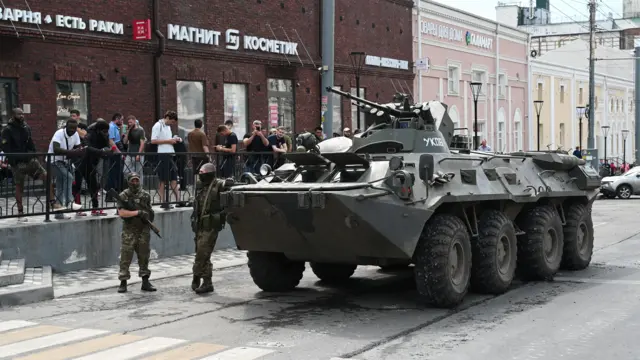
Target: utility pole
[(592, 85), (636, 97), (328, 44)]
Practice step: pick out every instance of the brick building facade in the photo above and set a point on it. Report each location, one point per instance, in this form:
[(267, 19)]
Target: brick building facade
[(60, 55)]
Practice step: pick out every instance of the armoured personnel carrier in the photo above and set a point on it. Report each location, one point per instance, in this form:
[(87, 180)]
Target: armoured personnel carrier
[(397, 195)]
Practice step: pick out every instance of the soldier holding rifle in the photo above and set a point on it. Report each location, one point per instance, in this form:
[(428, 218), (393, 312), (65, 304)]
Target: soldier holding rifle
[(134, 207)]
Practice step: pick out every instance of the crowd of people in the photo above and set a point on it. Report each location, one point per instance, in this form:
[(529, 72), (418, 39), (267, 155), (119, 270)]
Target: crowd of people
[(97, 157)]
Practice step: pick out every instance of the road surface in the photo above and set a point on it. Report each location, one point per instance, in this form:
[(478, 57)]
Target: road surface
[(592, 314)]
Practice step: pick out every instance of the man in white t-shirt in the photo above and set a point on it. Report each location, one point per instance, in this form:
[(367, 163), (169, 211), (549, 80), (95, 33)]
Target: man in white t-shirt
[(162, 136), (65, 144)]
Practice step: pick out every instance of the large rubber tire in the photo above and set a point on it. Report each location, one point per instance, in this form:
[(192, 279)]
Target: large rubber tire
[(333, 273), (624, 191), (443, 261), (578, 238), (540, 249), (494, 254), (274, 272)]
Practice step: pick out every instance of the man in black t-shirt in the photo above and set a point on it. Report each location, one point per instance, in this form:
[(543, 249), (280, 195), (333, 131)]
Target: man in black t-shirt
[(226, 168), (279, 146), (256, 141)]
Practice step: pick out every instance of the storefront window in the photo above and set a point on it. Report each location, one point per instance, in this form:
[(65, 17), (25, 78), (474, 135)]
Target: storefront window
[(281, 103), (72, 96), (337, 112), (8, 99), (235, 107), (354, 112), (190, 104)]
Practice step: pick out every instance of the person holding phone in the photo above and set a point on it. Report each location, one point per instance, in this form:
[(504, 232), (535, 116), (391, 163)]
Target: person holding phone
[(256, 141)]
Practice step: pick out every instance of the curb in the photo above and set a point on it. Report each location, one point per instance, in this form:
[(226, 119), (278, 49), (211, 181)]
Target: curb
[(89, 288)]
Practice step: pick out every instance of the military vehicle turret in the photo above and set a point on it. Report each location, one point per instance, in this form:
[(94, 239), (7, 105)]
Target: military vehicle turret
[(397, 195)]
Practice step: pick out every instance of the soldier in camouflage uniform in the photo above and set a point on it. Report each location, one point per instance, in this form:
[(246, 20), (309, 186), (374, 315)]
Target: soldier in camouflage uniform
[(135, 232), (206, 221)]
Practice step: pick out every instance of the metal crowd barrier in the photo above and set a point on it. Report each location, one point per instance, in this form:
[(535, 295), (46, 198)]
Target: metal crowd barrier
[(84, 182)]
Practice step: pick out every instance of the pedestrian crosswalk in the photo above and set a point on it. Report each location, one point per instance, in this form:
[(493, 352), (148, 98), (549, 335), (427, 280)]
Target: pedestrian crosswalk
[(26, 340)]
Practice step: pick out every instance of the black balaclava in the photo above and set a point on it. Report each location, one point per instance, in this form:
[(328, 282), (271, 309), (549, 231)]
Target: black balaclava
[(134, 188)]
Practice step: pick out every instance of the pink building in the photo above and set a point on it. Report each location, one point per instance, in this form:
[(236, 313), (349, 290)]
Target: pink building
[(459, 48)]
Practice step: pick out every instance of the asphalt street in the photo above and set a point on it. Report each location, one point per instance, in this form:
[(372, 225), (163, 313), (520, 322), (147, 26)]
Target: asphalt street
[(591, 314)]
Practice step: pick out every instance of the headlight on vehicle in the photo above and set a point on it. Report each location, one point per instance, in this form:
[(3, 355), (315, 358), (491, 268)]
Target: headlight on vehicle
[(265, 169)]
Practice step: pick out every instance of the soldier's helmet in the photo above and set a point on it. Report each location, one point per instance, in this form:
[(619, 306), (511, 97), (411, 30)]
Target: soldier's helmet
[(133, 175)]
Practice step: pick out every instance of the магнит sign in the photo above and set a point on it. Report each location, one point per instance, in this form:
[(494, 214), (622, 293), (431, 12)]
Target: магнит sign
[(232, 40)]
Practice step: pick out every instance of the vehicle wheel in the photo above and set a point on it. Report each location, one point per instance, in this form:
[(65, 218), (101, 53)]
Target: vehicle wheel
[(274, 272), (578, 238), (443, 261), (494, 254), (540, 249), (333, 273), (624, 191)]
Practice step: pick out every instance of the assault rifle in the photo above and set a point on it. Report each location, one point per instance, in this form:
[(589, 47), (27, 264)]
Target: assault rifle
[(129, 206)]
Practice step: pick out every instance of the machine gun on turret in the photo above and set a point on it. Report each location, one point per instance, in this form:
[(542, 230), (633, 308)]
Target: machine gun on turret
[(429, 116)]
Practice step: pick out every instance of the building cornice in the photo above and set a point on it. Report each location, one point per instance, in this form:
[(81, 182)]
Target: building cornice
[(551, 69)]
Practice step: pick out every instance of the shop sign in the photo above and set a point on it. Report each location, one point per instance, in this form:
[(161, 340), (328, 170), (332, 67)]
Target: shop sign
[(484, 42), (61, 21), (454, 34), (442, 31), (142, 29), (233, 40), (386, 62)]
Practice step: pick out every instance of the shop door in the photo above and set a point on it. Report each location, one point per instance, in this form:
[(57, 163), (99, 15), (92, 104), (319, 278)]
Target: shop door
[(281, 103), (8, 99)]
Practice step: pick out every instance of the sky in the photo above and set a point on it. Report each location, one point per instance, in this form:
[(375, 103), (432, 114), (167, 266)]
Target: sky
[(561, 10)]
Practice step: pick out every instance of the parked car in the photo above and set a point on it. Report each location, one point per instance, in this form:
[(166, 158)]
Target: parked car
[(622, 186)]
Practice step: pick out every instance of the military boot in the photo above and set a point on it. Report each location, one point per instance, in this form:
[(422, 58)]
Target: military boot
[(146, 285), (195, 283), (207, 286), (123, 286)]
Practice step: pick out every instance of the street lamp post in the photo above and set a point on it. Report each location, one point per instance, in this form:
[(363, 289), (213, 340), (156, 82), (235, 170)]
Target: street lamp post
[(357, 61), (538, 106), (625, 133), (605, 132), (580, 111), (476, 87)]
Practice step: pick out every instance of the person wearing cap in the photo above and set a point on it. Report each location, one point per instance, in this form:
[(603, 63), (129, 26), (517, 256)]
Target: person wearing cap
[(256, 141), (136, 234), (346, 132)]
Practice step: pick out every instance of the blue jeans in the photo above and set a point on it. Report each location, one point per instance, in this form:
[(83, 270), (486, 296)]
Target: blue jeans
[(64, 182)]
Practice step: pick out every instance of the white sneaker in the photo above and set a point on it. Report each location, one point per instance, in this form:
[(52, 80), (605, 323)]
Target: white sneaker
[(74, 206), (23, 220)]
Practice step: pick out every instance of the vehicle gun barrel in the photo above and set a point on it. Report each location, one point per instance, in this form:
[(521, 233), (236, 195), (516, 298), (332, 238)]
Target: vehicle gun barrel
[(385, 108)]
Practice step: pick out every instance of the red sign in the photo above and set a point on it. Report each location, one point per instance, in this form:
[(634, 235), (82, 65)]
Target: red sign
[(142, 29)]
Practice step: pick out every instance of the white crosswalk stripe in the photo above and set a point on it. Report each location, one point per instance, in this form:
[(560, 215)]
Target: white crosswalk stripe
[(26, 340)]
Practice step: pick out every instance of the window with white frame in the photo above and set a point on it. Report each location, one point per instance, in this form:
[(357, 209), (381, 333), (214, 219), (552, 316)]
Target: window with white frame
[(502, 85), (501, 139), (518, 136), (453, 83), (481, 77)]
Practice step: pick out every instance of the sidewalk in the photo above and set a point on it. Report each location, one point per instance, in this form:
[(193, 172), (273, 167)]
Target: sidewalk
[(76, 282)]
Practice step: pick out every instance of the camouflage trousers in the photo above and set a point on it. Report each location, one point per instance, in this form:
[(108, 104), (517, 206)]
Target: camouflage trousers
[(205, 242), (138, 243)]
